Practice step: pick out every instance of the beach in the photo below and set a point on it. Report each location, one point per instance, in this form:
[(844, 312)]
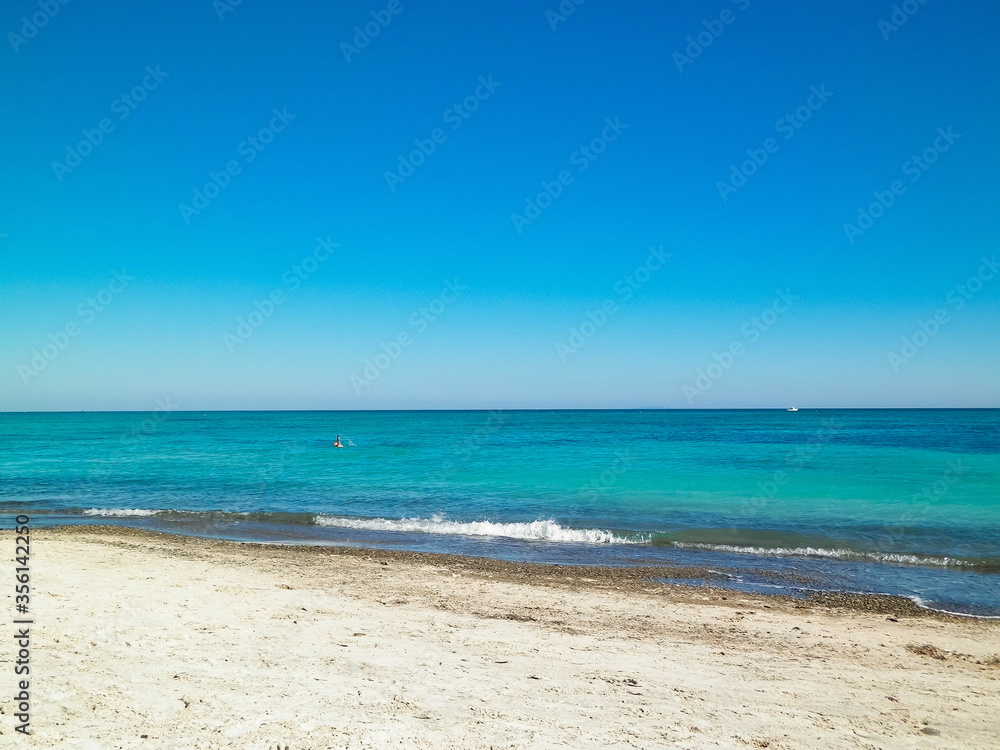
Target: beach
[(882, 501), (148, 640)]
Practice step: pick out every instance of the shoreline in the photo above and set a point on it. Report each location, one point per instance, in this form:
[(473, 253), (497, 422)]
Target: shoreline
[(622, 578), (726, 541), (148, 640)]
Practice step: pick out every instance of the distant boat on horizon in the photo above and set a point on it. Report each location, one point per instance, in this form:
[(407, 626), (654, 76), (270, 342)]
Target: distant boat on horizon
[(792, 408)]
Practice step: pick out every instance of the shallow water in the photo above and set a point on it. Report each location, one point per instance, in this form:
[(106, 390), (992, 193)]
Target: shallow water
[(895, 501)]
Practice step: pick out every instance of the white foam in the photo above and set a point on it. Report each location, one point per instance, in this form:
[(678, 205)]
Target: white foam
[(924, 604), (547, 530), (836, 554), (119, 512)]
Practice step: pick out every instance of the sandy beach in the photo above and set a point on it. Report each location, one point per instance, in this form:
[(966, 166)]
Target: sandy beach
[(143, 640)]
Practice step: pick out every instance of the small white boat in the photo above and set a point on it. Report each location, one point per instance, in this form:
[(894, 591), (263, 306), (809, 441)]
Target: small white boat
[(792, 408)]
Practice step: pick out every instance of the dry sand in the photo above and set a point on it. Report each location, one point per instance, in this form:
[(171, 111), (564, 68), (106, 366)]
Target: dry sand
[(151, 641)]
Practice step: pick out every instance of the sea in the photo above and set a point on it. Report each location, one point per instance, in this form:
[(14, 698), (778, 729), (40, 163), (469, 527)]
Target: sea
[(903, 502)]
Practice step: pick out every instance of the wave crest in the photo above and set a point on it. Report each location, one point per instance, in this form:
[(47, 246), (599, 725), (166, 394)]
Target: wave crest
[(836, 554), (542, 530)]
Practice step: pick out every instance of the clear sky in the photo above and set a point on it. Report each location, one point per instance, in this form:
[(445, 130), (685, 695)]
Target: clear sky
[(265, 166)]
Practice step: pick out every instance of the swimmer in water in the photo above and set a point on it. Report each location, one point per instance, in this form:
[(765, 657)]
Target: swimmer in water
[(337, 443)]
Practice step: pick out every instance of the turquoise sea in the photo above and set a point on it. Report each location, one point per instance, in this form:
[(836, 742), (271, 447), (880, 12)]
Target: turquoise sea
[(893, 501)]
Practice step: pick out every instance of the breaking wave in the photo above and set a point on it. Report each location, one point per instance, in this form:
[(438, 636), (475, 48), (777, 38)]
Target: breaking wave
[(888, 558), (547, 530), (749, 542)]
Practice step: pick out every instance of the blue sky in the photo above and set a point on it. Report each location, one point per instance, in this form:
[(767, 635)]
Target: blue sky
[(535, 103)]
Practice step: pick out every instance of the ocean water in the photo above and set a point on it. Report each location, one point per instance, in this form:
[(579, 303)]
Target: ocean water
[(904, 502)]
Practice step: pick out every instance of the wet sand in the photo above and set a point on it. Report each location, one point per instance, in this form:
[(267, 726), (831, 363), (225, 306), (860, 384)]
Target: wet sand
[(207, 644)]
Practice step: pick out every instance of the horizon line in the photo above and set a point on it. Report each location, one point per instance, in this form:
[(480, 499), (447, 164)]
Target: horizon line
[(510, 409)]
